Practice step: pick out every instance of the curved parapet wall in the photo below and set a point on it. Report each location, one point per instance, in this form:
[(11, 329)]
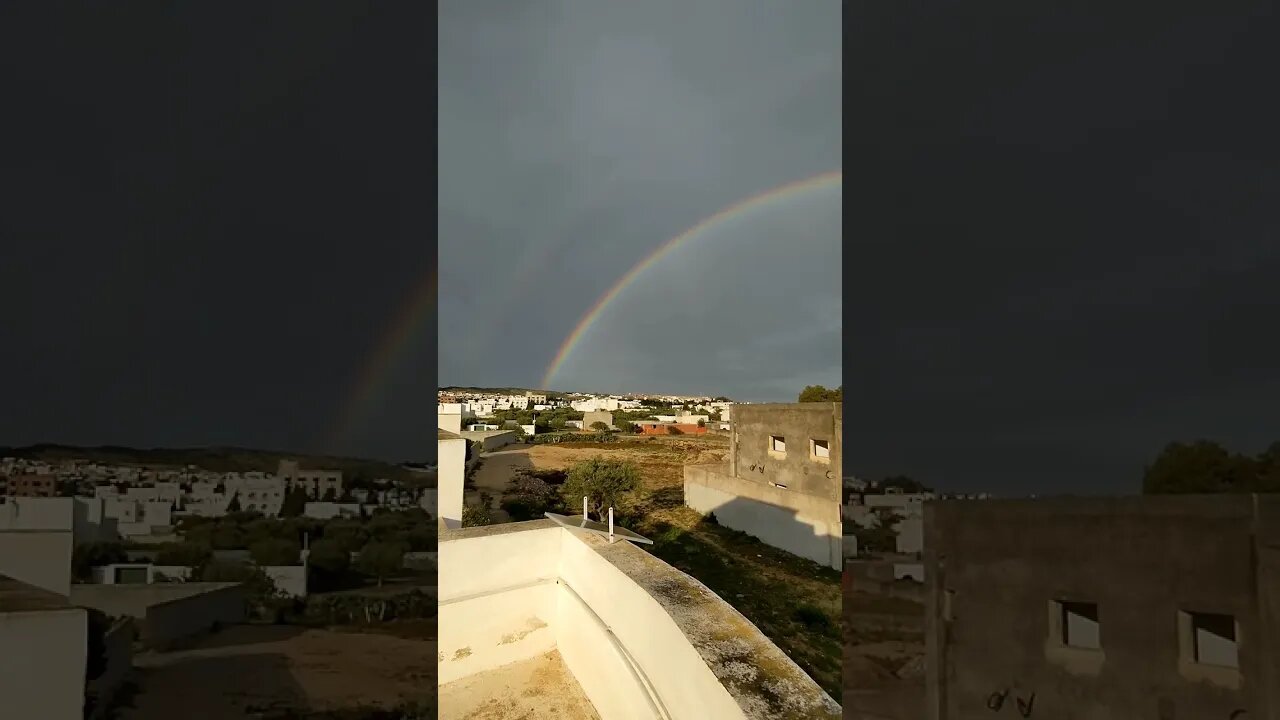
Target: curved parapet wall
[(643, 639)]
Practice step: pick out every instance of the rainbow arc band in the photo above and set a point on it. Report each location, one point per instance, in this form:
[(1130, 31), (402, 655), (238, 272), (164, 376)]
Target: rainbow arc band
[(793, 189)]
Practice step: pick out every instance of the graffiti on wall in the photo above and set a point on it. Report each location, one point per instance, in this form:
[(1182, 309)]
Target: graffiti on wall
[(1024, 705)]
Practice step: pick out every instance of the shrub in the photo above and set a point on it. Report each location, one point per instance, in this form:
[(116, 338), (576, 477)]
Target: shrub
[(604, 482), (275, 551), (475, 516), (528, 497)]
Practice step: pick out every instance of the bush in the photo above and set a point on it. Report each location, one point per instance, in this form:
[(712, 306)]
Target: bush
[(528, 497), (185, 554), (475, 516), (604, 482), (812, 617), (673, 430), (85, 557), (275, 551)]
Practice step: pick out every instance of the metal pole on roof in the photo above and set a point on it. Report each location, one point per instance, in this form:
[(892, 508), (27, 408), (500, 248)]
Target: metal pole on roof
[(610, 523), (584, 507)]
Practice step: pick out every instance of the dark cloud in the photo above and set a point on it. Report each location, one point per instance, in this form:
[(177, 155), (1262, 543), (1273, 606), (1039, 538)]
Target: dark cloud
[(575, 140), (1066, 251), (210, 219)]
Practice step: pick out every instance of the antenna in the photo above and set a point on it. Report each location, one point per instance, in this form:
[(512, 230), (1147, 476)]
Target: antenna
[(609, 530), (584, 507)]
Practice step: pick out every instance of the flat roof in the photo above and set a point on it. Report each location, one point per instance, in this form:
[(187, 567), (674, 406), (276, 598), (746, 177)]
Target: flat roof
[(442, 434), (17, 596)]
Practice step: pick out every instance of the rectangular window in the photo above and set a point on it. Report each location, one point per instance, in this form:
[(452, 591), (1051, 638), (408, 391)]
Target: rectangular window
[(777, 444), (820, 450), (1212, 639), (1079, 625)]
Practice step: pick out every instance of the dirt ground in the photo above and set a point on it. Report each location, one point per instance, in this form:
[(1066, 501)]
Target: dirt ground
[(247, 669), (883, 658), (660, 459), (536, 689)]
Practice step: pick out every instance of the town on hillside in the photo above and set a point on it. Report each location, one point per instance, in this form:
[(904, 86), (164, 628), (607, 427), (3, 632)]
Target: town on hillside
[(150, 582)]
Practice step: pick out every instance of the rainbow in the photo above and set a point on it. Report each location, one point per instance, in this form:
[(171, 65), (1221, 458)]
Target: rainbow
[(795, 188), (380, 363)]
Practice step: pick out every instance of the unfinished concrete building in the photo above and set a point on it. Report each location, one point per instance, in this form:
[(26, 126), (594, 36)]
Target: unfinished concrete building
[(1104, 609), (782, 479)]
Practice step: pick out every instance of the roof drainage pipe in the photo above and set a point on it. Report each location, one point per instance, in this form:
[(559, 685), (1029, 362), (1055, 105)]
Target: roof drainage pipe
[(650, 693)]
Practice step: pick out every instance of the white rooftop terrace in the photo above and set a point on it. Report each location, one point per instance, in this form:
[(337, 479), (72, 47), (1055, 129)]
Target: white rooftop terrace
[(639, 638)]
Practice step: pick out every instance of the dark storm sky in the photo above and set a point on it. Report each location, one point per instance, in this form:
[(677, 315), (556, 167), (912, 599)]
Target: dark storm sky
[(578, 136), (1066, 237), (209, 219)]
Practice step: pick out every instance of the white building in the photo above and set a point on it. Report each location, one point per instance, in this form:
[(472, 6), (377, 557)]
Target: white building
[(43, 649), (36, 539), (452, 455)]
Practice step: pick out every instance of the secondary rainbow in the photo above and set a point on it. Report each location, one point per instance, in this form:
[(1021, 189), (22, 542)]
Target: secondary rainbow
[(412, 316), (789, 190)]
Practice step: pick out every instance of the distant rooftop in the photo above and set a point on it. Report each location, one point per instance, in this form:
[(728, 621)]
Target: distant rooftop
[(17, 596)]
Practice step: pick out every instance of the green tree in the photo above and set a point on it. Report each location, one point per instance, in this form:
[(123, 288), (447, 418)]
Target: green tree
[(702, 423), (90, 555), (599, 426), (903, 483), (329, 556), (818, 393), (381, 559), (603, 481), (295, 502), (882, 536), (673, 430), (275, 551), (350, 534), (185, 554), (1202, 466), (330, 495)]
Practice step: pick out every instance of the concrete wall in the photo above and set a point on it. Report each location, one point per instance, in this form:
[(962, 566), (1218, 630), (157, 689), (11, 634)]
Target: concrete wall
[(640, 637), (168, 623), (994, 570), (496, 586), (42, 664), (452, 454), (801, 524), (490, 440), (40, 558), (594, 417), (167, 612), (450, 421), (750, 456), (291, 579)]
